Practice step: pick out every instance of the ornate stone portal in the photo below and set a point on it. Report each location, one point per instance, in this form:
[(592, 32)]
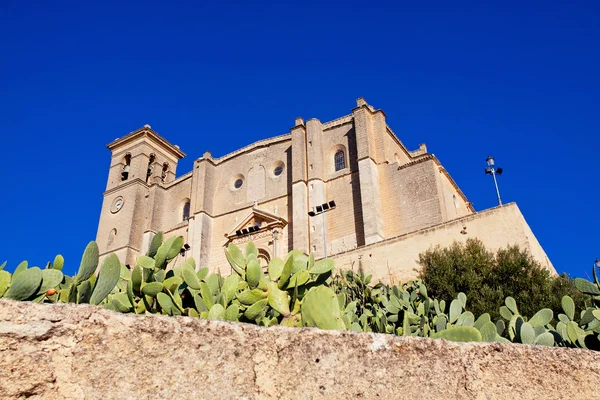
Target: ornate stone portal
[(264, 229)]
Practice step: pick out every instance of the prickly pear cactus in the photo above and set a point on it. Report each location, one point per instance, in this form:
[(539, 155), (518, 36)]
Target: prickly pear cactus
[(89, 262), (51, 278), (107, 279), (460, 334), (25, 284), (5, 278), (168, 251), (297, 291), (320, 309)]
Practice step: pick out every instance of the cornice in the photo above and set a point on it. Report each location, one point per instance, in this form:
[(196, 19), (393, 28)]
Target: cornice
[(338, 122), (453, 183), (419, 160), (256, 145), (125, 185), (369, 108), (147, 132), (182, 178), (119, 248), (398, 141)]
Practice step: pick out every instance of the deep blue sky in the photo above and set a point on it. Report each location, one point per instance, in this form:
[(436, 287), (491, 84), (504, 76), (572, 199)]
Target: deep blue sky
[(516, 80)]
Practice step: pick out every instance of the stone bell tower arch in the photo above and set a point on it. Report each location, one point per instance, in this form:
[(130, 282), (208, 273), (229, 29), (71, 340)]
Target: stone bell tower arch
[(141, 162)]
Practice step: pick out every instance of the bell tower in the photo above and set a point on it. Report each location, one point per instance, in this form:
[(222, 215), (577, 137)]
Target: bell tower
[(141, 162)]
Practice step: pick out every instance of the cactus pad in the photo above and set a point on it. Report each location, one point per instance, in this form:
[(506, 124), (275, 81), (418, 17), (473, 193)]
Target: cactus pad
[(279, 299), (256, 309), (107, 279), (253, 273), (89, 262), (460, 334), (322, 266), (59, 262), (275, 268), (51, 278), (25, 284), (217, 312), (152, 289), (5, 278), (168, 251), (542, 317), (190, 278), (320, 308), (155, 244), (249, 297)]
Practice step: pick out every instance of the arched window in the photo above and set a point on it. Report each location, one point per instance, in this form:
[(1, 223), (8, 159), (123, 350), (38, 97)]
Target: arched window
[(149, 171), (126, 166), (165, 169), (339, 160), (263, 258), (186, 210), (111, 236)]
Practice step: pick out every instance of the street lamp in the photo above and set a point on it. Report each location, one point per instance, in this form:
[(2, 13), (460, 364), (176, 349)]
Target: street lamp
[(184, 249), (491, 169), (275, 239), (322, 209)]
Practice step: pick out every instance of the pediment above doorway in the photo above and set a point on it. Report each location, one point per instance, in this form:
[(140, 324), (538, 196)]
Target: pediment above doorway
[(257, 224)]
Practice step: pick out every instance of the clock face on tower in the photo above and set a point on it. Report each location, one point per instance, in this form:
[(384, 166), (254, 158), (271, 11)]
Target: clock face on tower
[(117, 205)]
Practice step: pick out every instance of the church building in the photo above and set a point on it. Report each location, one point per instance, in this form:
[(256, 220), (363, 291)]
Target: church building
[(347, 189)]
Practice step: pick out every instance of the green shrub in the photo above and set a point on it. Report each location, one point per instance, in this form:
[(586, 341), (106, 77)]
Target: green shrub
[(487, 279)]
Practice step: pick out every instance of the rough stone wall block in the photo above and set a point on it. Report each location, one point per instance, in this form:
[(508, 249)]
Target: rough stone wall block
[(200, 232), (300, 235), (315, 151), (316, 195), (370, 201), (496, 227), (299, 157), (77, 352), (362, 125), (146, 240)]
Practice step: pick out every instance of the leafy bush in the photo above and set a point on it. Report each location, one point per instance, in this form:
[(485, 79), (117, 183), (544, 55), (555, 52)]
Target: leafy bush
[(487, 279)]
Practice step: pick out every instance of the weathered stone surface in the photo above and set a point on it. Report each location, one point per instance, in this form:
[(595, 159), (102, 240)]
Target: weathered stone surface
[(68, 352)]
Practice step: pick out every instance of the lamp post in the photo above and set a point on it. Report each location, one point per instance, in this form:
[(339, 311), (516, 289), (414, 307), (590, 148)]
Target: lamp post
[(275, 238), (322, 209), (491, 169), (186, 247)]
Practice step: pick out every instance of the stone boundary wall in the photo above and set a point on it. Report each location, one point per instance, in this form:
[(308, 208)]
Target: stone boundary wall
[(394, 260), (86, 352)]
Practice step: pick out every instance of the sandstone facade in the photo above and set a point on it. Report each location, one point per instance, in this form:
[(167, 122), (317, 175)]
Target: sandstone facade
[(86, 352), (384, 194)]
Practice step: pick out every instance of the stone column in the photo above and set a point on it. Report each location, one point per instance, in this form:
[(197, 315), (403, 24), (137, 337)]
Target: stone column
[(316, 185), (201, 204), (365, 123), (299, 222)]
